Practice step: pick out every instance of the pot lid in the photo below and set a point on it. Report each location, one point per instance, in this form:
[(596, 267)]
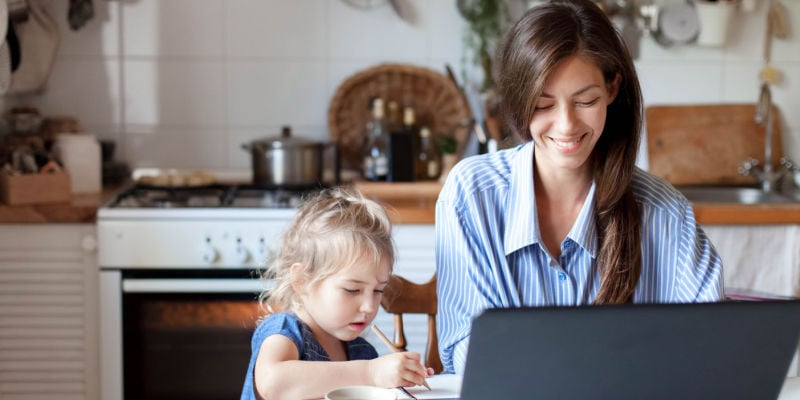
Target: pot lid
[(285, 140)]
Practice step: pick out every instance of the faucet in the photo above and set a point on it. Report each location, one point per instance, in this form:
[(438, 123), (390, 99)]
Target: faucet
[(764, 117), (765, 175)]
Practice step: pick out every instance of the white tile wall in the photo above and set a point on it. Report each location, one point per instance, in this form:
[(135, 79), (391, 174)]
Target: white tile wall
[(183, 83), (277, 29), (173, 28)]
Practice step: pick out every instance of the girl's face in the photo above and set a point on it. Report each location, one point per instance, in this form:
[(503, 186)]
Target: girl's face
[(570, 115), (345, 303)]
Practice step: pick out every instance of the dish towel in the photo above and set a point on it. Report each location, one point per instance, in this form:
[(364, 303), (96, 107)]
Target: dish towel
[(38, 40)]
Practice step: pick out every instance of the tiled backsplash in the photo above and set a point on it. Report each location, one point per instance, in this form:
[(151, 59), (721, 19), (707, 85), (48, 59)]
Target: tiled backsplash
[(183, 83)]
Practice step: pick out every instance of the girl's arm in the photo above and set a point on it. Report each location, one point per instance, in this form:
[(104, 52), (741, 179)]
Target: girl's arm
[(279, 374)]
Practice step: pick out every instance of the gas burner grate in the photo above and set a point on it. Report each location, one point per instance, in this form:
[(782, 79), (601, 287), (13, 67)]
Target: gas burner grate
[(269, 197), (216, 196), (171, 197)]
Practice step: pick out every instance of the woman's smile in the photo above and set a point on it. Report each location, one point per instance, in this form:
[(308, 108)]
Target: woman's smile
[(568, 145)]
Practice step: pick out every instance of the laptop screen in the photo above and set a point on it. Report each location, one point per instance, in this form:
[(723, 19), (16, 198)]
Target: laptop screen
[(726, 350)]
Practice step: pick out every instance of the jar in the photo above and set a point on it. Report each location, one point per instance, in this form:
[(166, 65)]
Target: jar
[(80, 156)]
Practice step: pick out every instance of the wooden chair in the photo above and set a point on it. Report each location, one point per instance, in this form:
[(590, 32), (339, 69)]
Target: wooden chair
[(405, 297)]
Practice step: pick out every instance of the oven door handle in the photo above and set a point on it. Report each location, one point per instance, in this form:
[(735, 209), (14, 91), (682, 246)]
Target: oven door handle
[(133, 285)]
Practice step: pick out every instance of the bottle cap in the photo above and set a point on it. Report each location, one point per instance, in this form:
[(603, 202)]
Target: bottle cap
[(408, 116), (424, 132), (377, 108)]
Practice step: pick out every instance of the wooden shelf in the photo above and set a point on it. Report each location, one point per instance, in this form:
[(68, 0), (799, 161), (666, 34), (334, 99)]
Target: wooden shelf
[(400, 190)]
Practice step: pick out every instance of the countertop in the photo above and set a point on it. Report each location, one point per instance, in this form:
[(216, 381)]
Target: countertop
[(412, 203), (81, 209), (408, 203)]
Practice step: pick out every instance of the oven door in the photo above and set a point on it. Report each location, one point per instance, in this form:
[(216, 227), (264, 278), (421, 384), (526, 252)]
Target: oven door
[(178, 334)]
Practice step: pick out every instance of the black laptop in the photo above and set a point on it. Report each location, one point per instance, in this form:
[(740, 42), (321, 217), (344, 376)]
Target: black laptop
[(728, 350)]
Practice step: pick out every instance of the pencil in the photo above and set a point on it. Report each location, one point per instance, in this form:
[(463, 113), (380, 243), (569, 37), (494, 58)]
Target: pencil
[(391, 347)]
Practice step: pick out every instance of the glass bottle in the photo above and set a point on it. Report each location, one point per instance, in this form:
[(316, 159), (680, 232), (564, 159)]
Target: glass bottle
[(402, 149), (375, 156), (393, 121), (428, 162)]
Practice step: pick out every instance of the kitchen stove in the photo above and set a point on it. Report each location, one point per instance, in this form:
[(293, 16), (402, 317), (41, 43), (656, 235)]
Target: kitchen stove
[(229, 226), (180, 278)]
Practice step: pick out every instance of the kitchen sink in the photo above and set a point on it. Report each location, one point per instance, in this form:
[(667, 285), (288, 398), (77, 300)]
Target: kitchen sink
[(736, 195)]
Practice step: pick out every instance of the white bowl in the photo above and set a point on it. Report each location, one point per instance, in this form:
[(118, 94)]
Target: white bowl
[(361, 393)]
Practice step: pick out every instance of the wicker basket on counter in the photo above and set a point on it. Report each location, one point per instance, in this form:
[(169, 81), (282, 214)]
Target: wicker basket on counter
[(436, 100)]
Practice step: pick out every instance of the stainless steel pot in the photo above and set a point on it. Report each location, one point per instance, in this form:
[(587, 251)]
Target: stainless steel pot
[(287, 161)]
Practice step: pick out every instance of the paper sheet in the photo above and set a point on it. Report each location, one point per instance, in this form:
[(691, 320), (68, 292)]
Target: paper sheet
[(445, 386)]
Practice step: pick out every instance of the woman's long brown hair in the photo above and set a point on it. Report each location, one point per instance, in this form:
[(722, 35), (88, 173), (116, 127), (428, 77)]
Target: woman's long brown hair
[(544, 36)]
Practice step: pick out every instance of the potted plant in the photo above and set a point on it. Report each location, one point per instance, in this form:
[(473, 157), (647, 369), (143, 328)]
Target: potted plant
[(447, 145), (487, 21)]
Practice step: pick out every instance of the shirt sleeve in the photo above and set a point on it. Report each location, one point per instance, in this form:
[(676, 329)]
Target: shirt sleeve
[(278, 324), (469, 272), (700, 277)]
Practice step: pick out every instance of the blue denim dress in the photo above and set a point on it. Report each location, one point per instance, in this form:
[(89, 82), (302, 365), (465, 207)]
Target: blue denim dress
[(308, 347)]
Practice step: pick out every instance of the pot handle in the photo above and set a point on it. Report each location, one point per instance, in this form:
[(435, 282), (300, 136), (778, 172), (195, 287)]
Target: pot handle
[(246, 146)]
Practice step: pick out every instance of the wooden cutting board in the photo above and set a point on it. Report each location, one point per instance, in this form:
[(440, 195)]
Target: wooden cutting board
[(706, 144)]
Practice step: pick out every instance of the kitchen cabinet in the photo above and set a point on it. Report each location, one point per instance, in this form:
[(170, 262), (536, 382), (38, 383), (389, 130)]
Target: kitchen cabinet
[(48, 311)]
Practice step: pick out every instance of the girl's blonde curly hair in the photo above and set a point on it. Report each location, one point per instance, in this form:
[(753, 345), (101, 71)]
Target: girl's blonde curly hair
[(333, 229)]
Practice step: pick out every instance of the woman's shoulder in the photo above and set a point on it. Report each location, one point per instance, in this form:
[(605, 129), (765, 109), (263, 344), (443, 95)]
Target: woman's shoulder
[(478, 172), (653, 191)]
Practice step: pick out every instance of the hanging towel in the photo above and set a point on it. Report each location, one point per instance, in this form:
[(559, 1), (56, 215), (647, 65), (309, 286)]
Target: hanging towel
[(5, 58), (38, 39)]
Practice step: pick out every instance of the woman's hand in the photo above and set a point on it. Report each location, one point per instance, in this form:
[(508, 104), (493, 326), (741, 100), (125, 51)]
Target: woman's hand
[(398, 369)]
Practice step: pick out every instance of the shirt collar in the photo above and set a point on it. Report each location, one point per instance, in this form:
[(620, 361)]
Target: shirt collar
[(521, 222)]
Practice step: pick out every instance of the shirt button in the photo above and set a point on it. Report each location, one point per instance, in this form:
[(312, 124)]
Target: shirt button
[(562, 276)]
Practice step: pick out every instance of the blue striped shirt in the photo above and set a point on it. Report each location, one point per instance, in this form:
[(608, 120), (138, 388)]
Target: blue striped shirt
[(489, 250)]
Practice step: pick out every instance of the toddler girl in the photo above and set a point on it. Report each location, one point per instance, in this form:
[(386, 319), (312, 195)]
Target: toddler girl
[(330, 271)]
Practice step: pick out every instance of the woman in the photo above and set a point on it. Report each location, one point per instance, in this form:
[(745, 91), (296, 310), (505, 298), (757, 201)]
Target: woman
[(565, 218)]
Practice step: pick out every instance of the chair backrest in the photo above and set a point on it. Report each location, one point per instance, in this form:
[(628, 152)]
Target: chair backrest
[(405, 297)]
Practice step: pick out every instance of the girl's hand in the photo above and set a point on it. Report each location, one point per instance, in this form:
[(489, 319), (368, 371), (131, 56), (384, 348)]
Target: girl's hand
[(398, 369)]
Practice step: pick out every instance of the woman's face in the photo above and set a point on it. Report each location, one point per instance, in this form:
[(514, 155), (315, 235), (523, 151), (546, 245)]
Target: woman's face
[(570, 115)]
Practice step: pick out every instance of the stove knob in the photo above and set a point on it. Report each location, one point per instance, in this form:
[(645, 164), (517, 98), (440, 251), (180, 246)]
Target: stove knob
[(263, 251), (210, 254), (241, 254)]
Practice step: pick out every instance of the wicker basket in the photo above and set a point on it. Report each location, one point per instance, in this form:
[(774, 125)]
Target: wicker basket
[(436, 100)]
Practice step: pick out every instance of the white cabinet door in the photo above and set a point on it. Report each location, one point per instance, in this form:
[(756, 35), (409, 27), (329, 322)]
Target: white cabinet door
[(48, 312), (415, 251), (761, 258)]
